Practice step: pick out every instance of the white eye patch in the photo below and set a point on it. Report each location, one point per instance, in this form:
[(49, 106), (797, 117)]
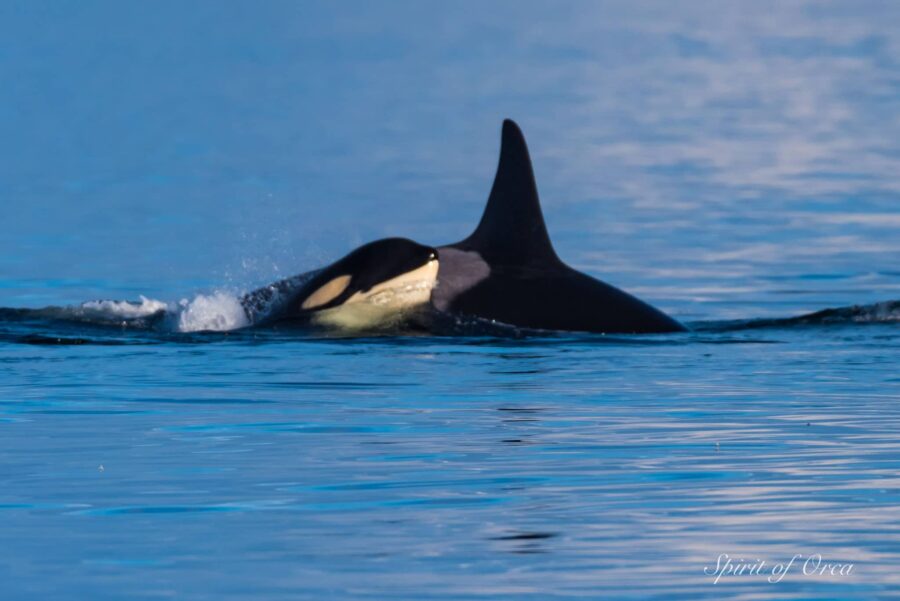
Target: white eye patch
[(327, 293)]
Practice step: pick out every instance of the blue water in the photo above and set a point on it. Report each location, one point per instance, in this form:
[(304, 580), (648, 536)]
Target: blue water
[(731, 163)]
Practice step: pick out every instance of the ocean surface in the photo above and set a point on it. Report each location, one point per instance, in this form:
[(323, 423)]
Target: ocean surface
[(736, 164)]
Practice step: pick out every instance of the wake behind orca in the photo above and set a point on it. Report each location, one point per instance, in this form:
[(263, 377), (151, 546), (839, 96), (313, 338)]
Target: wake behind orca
[(505, 272)]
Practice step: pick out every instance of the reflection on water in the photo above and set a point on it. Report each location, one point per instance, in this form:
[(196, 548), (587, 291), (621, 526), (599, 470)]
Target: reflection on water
[(456, 469), (724, 161)]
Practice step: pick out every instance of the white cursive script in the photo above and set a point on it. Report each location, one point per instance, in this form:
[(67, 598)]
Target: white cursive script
[(774, 572)]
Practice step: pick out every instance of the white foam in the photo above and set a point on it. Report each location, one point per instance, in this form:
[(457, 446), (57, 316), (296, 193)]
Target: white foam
[(887, 311), (125, 309), (218, 312)]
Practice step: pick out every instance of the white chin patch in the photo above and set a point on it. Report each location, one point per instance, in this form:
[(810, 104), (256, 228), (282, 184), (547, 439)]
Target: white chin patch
[(385, 304)]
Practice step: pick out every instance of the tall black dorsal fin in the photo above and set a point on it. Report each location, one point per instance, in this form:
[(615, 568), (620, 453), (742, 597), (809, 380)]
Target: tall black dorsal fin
[(512, 229)]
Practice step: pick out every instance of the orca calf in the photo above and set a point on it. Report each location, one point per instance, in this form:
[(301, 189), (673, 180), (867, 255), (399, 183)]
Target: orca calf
[(506, 271), (380, 284)]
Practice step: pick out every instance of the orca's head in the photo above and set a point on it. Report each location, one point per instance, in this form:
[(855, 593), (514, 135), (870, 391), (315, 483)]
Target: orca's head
[(379, 277)]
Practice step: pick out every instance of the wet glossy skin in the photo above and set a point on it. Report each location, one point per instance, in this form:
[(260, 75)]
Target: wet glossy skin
[(508, 271), (350, 279)]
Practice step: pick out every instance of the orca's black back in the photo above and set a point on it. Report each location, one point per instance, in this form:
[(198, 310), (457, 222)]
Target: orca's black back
[(507, 269), (563, 299)]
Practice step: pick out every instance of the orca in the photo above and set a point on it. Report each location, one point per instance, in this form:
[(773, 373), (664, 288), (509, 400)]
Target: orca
[(382, 284), (507, 270)]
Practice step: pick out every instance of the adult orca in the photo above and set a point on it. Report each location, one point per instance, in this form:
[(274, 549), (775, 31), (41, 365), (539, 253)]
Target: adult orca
[(508, 271), (382, 284)]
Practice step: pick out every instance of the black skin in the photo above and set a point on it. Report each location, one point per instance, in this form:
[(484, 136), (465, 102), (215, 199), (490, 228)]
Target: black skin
[(522, 281), (558, 299), (368, 266)]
